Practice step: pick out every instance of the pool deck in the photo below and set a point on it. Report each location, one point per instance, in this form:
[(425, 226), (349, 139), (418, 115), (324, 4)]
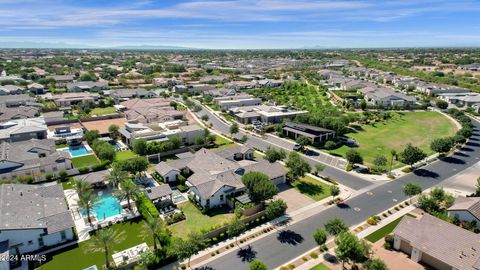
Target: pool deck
[(82, 226), (89, 149)]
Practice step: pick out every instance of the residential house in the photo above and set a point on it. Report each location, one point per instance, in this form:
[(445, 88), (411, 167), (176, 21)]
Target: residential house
[(317, 135), (17, 100), (10, 113), (387, 97), (263, 113), (193, 88), (36, 88), (33, 157), (62, 80), (160, 132), (87, 86), (33, 217), (16, 130), (241, 85), (11, 90), (212, 79), (69, 99), (213, 177), (166, 82), (131, 93), (466, 209), (226, 104), (437, 243), (462, 99)]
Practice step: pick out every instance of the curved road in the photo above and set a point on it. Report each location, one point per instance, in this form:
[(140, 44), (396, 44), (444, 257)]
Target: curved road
[(275, 251)]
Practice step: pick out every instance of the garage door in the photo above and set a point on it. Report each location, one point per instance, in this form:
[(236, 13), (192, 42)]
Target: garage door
[(405, 247), (429, 260)]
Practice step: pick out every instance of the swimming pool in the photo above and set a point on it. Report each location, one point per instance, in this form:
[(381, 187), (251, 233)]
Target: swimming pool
[(106, 207), (76, 151)]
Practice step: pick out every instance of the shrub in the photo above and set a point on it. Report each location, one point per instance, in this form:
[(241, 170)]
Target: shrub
[(314, 255), (182, 188), (373, 220), (146, 208), (349, 167), (283, 268), (330, 145), (49, 176), (291, 266), (396, 208), (391, 176), (304, 258), (388, 242), (83, 170), (212, 254), (407, 170), (175, 218)]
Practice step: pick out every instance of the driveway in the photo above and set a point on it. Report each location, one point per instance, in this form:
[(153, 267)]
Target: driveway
[(294, 199)]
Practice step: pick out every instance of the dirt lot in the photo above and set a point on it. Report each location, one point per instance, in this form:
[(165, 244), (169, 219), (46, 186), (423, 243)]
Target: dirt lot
[(294, 199)]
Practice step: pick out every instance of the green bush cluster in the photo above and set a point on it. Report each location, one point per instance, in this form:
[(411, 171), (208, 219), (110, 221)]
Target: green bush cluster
[(146, 208)]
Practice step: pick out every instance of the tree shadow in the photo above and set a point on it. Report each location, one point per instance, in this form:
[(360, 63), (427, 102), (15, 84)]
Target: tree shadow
[(205, 268), (460, 154), (309, 188), (343, 206), (473, 139), (425, 173), (247, 254), (473, 144), (289, 237), (466, 149), (452, 160)]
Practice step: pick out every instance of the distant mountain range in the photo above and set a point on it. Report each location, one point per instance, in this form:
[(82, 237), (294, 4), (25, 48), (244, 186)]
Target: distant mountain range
[(61, 45)]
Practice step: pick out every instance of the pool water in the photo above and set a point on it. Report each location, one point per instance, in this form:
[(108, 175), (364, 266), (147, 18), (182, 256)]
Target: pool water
[(77, 150), (106, 207)]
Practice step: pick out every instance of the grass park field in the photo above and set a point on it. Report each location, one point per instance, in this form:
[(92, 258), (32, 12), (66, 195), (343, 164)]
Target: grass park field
[(417, 128)]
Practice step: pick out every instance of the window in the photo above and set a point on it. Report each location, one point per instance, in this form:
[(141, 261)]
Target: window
[(63, 235), (221, 197), (166, 179), (40, 242), (30, 242)]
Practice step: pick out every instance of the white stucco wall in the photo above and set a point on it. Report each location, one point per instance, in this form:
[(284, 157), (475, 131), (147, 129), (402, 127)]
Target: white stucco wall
[(21, 238)]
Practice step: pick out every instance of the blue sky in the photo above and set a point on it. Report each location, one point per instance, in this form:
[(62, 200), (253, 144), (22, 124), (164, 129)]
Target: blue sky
[(243, 23)]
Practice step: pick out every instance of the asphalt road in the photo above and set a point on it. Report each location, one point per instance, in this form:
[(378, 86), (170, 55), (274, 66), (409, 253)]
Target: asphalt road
[(278, 248), (337, 174)]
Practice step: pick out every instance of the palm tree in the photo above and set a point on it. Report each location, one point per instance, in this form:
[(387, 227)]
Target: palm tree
[(394, 154), (87, 201), (153, 227), (82, 186), (116, 176), (103, 241), (128, 190)]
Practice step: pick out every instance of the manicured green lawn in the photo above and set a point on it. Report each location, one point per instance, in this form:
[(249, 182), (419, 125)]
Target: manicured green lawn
[(78, 258), (196, 221), (85, 161), (103, 111), (221, 140), (69, 184), (61, 146), (417, 128), (320, 266), (312, 188), (124, 155), (380, 233)]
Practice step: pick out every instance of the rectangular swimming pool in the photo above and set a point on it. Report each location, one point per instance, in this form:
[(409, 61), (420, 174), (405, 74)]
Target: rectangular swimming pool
[(76, 151), (106, 207)]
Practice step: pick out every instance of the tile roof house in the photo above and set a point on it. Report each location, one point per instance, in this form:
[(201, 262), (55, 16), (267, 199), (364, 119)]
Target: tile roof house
[(69, 99), (155, 110), (386, 97), (32, 157), (131, 93), (466, 209), (23, 129), (34, 217), (11, 90), (437, 243), (10, 113), (86, 86), (213, 177)]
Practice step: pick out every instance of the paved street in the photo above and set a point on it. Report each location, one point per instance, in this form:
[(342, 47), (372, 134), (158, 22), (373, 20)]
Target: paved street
[(337, 174), (276, 251)]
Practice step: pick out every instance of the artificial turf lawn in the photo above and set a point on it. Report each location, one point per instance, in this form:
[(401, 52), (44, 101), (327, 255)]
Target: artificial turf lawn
[(196, 221), (103, 111), (320, 266), (84, 161), (382, 232), (76, 257), (417, 128), (312, 188)]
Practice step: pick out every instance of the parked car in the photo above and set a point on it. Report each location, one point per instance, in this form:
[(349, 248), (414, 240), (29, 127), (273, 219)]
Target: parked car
[(298, 147)]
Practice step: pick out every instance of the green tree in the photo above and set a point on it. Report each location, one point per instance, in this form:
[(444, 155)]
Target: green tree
[(91, 136), (334, 191), (87, 200), (114, 131), (411, 155), (63, 175), (442, 145), (257, 265), (259, 186), (335, 226), (412, 189), (134, 165), (272, 154), (87, 76), (128, 190), (104, 150), (103, 241), (235, 228), (375, 264), (303, 141), (318, 168), (275, 209), (205, 117), (441, 104), (380, 161), (320, 237), (116, 176), (297, 165), (349, 248), (200, 140), (186, 248), (153, 228), (82, 186), (140, 147), (354, 157), (234, 129)]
